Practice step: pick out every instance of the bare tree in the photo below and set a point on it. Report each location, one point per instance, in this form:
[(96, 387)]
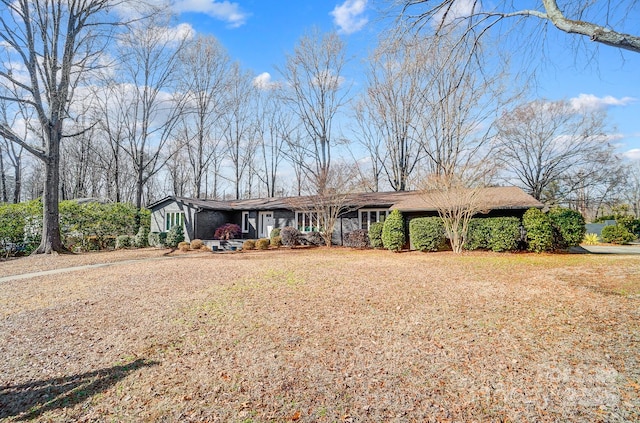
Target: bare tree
[(13, 151), (316, 93), (457, 200), (205, 79), (179, 171), (273, 131), (335, 198), (368, 136), (51, 47), (108, 104), (632, 191), (600, 21), (239, 124), (545, 142), (464, 95), (393, 109), (150, 105)]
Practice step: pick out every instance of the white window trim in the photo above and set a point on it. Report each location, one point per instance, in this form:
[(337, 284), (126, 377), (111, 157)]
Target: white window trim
[(369, 221), (310, 224), (245, 222), (171, 219)]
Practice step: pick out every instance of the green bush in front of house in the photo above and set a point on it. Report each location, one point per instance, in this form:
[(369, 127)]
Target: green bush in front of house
[(569, 227), (427, 233), (494, 233), (275, 232), (375, 234), (504, 233), (617, 234), (393, 237), (157, 239), (478, 234), (175, 235), (141, 240), (123, 241), (539, 230)]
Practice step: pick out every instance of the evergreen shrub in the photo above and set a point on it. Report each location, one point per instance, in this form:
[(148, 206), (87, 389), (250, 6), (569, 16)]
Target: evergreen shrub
[(174, 236), (569, 227), (375, 234), (539, 230), (617, 234), (393, 237), (427, 233)]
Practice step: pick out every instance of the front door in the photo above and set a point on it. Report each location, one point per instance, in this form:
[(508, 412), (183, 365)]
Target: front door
[(265, 224)]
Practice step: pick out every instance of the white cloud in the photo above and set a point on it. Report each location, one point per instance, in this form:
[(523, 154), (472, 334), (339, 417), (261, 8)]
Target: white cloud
[(264, 81), (633, 154), (457, 10), (180, 32), (592, 102), (348, 16), (222, 10)]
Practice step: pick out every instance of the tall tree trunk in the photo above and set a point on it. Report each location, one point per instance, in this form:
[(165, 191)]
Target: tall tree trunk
[(3, 180), (51, 239), (17, 181)]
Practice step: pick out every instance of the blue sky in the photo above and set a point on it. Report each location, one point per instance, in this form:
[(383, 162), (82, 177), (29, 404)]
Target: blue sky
[(259, 33)]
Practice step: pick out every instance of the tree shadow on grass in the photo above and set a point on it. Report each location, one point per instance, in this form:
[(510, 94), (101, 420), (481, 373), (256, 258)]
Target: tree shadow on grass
[(30, 400)]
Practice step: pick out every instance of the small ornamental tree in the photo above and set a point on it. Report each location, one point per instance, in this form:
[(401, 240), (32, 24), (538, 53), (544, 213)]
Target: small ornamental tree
[(227, 231), (539, 230), (393, 237)]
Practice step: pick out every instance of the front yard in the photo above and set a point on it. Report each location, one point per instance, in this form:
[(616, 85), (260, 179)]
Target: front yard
[(323, 335)]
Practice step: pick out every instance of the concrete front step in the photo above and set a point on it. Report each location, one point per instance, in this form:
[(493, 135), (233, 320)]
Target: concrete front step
[(224, 245)]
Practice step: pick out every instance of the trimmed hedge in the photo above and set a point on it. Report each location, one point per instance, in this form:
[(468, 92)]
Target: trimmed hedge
[(539, 230), (393, 237), (427, 233), (569, 227), (83, 226), (478, 234), (375, 234)]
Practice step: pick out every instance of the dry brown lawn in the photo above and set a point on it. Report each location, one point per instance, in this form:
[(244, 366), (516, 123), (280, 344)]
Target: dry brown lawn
[(322, 335)]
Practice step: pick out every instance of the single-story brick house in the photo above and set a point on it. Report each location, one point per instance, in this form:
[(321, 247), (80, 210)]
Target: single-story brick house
[(257, 217)]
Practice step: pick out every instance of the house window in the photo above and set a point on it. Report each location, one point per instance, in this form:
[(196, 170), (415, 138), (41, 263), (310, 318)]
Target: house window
[(172, 219), (308, 221), (367, 217), (245, 222)]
